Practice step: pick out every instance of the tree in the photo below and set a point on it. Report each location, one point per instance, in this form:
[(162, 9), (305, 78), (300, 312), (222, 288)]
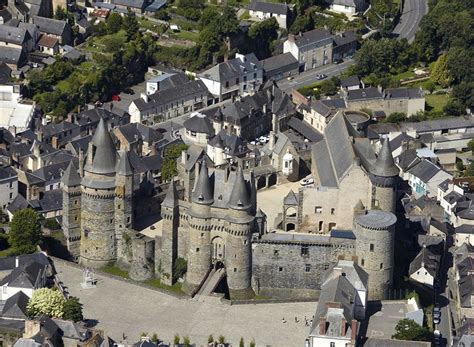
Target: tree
[(25, 231), (440, 73), (221, 339), (168, 168), (396, 117), (252, 343), (470, 145), (46, 301), (179, 269), (469, 170), (176, 339), (130, 24), (263, 34), (328, 87), (408, 329), (460, 64), (453, 108), (186, 341), (73, 309), (210, 339), (241, 342), (154, 338), (114, 23)]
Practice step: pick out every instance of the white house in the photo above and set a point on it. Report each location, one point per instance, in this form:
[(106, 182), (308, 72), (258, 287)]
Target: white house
[(8, 186), (348, 7), (260, 10), (27, 274), (15, 115), (239, 76), (424, 178), (424, 267), (464, 234)]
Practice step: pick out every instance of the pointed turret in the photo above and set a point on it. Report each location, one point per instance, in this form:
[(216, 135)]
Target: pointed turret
[(203, 192), (385, 166), (171, 198), (239, 198), (123, 166), (103, 151), (71, 177)]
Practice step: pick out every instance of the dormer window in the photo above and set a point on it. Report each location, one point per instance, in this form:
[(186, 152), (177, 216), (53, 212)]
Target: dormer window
[(200, 197)]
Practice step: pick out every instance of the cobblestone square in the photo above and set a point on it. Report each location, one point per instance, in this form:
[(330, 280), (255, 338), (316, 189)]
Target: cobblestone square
[(125, 308)]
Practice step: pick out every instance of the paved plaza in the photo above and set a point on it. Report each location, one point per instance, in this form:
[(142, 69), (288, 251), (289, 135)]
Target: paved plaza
[(125, 308)]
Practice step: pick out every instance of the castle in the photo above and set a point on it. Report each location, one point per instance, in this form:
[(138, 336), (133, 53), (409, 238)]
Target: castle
[(215, 222)]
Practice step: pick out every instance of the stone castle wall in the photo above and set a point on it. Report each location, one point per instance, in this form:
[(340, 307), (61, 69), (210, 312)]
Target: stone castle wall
[(71, 222), (280, 269)]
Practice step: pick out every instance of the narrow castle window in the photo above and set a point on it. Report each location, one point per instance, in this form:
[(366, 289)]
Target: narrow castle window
[(381, 266), (280, 269), (371, 247), (333, 210), (235, 269), (111, 220), (304, 250), (202, 234), (307, 267), (197, 250), (276, 252), (75, 202), (362, 262)]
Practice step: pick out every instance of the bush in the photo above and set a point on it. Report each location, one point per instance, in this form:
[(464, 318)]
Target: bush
[(210, 339), (176, 339), (51, 223), (221, 339), (186, 341), (73, 309), (25, 231), (46, 301), (180, 268)]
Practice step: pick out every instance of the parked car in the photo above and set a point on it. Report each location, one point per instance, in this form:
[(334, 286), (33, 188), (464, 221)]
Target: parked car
[(436, 315), (437, 338), (129, 91), (320, 77), (290, 78), (307, 181), (255, 142), (337, 61), (263, 139), (116, 98)]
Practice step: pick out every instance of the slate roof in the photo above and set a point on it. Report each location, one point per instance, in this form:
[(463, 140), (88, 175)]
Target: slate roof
[(70, 176), (104, 160), (155, 5), (268, 7), (123, 165), (375, 342), (53, 129), (233, 145), (170, 80), (398, 140), (13, 35), (15, 306), (376, 219), (312, 39), (352, 271), (233, 68), (304, 129), (239, 198), (425, 259), (466, 290), (50, 25), (344, 38), (164, 97), (5, 73), (199, 123), (202, 193), (464, 229), (18, 203), (364, 94), (385, 166), (290, 199), (452, 197), (350, 81), (280, 63), (11, 55), (24, 276), (131, 3), (425, 170), (171, 198), (134, 131), (52, 200), (7, 172)]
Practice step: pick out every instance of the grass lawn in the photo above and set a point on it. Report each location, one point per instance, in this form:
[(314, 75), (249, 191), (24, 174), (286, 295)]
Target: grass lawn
[(436, 102), (176, 288), (148, 24), (98, 44), (114, 270), (186, 35), (5, 252), (403, 75)]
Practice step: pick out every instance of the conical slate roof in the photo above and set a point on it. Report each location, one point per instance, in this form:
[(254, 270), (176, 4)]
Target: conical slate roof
[(105, 155), (71, 177), (239, 198), (171, 198), (123, 166), (290, 199), (385, 165), (203, 192)]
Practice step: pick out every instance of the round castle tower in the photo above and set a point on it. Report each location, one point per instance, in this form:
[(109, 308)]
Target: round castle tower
[(238, 256), (384, 178), (98, 243), (71, 223), (199, 237), (375, 242)]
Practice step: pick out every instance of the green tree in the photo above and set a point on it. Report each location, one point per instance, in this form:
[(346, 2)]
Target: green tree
[(221, 339), (176, 339), (454, 108), (186, 341), (252, 343), (154, 338), (470, 145), (114, 23), (168, 168), (396, 117), (180, 268), (210, 339), (73, 309), (25, 231), (469, 170), (241, 342), (328, 87), (262, 36), (301, 24), (440, 73), (46, 301), (460, 64), (130, 24), (408, 329)]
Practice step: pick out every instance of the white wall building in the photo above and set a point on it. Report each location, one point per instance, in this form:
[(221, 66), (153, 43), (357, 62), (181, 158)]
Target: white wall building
[(260, 10), (8, 186), (15, 115)]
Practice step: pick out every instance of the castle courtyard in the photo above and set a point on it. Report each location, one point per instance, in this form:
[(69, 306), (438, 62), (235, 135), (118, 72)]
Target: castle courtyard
[(125, 308)]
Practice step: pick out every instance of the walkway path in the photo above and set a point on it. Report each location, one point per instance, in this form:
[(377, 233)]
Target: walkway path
[(125, 308), (409, 22)]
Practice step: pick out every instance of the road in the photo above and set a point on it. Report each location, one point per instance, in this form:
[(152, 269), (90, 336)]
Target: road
[(409, 22), (309, 77)]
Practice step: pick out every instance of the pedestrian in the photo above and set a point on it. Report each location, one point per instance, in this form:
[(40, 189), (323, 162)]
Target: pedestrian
[(296, 320)]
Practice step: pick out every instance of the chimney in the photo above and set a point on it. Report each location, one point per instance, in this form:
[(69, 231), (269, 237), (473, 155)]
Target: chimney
[(291, 37), (144, 97), (70, 117), (226, 57), (17, 261), (322, 326), (81, 162), (379, 88), (264, 109), (184, 157), (272, 140), (353, 331), (343, 327), (275, 127), (32, 327), (337, 271), (54, 142)]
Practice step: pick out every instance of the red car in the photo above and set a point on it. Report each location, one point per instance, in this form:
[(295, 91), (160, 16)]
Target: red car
[(115, 98)]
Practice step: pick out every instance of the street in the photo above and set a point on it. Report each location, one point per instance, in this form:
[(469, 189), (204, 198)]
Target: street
[(308, 77), (409, 22)]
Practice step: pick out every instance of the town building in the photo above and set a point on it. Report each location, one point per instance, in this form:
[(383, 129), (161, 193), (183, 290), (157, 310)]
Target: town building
[(280, 66), (348, 7), (59, 29), (8, 186), (239, 76), (17, 115), (260, 10)]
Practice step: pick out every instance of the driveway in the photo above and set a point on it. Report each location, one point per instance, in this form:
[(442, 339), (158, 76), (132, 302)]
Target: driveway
[(409, 22)]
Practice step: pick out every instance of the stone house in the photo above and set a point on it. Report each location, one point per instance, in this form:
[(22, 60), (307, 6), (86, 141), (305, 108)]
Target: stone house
[(8, 186), (239, 76), (345, 45), (48, 44), (59, 29), (424, 268), (311, 49), (464, 233), (280, 66), (348, 7), (260, 10), (424, 178), (169, 103)]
